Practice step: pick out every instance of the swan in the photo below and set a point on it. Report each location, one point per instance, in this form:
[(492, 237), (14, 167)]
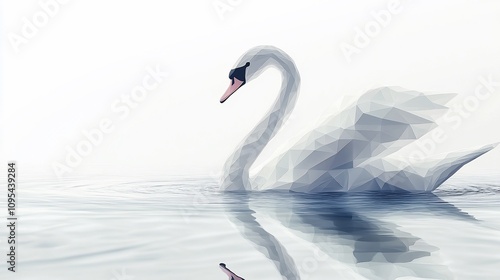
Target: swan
[(348, 152)]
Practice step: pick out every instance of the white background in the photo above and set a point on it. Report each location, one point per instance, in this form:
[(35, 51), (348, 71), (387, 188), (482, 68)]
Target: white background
[(66, 77)]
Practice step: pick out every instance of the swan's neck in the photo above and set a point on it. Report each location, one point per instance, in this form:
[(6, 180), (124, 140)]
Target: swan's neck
[(237, 167)]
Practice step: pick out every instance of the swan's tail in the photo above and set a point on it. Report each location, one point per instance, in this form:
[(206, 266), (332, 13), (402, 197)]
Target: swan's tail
[(394, 175), (448, 166)]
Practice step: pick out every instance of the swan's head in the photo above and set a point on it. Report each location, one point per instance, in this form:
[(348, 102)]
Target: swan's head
[(254, 62), (249, 66), (238, 77)]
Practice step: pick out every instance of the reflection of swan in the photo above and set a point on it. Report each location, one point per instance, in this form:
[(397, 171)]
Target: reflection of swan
[(243, 217), (348, 152), (346, 227), (349, 228)]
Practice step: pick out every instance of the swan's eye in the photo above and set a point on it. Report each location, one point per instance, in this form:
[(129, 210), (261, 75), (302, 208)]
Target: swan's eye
[(239, 73)]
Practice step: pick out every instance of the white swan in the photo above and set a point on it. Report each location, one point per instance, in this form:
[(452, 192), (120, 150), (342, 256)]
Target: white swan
[(347, 152)]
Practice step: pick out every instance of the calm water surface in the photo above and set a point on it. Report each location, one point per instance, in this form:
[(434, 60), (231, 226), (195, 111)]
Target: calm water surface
[(182, 228)]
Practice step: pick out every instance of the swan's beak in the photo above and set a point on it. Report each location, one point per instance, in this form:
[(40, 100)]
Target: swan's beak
[(229, 273), (233, 87)]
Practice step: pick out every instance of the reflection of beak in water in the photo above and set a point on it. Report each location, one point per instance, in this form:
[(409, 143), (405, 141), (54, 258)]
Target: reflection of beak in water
[(342, 225), (228, 272)]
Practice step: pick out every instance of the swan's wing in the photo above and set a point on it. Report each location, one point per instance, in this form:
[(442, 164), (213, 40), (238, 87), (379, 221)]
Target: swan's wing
[(381, 122)]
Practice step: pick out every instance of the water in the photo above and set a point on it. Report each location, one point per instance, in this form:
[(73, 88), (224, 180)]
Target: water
[(182, 228)]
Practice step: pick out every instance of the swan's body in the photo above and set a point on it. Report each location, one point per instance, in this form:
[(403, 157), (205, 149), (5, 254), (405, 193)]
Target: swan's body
[(348, 152)]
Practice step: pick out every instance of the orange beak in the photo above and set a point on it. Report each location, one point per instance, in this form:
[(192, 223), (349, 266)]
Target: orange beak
[(233, 87)]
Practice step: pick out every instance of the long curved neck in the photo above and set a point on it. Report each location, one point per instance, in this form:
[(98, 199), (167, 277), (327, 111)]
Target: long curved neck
[(237, 167)]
